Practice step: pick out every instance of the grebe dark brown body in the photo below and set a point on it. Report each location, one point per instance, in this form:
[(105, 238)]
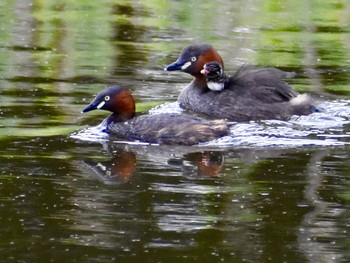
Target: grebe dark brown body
[(165, 128), (250, 94)]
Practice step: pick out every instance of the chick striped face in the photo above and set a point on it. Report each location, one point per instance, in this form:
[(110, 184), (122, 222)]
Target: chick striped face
[(212, 70), (213, 73)]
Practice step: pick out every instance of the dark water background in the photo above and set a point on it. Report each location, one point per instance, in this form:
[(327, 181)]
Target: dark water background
[(270, 192)]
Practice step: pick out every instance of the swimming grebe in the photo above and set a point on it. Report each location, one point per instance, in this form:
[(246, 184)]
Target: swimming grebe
[(165, 128), (250, 94)]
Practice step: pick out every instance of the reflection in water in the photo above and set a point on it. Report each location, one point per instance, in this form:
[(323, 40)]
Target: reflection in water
[(272, 191), (126, 34), (317, 232), (119, 169), (257, 199), (122, 165), (205, 163)]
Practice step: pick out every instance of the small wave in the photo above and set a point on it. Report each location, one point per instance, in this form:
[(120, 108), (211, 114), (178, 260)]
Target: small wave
[(92, 134), (168, 107), (327, 128)]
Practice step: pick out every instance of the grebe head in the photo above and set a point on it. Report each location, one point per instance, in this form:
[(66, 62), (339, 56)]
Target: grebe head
[(114, 99), (193, 58)]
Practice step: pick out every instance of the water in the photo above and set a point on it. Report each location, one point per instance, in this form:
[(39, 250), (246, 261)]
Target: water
[(328, 127), (273, 191)]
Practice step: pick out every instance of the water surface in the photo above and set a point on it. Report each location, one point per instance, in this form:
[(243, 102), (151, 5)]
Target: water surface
[(271, 191)]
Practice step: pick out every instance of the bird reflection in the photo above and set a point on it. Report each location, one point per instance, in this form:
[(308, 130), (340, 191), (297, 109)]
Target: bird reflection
[(119, 169), (124, 158), (200, 163)]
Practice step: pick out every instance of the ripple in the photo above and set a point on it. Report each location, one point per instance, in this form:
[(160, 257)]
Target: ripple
[(327, 128), (169, 107), (190, 189), (92, 134)]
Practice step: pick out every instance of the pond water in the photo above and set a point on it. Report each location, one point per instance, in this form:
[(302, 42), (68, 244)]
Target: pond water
[(271, 191)]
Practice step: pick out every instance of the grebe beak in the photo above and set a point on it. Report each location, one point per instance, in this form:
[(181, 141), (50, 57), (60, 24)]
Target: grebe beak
[(90, 107), (177, 65)]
